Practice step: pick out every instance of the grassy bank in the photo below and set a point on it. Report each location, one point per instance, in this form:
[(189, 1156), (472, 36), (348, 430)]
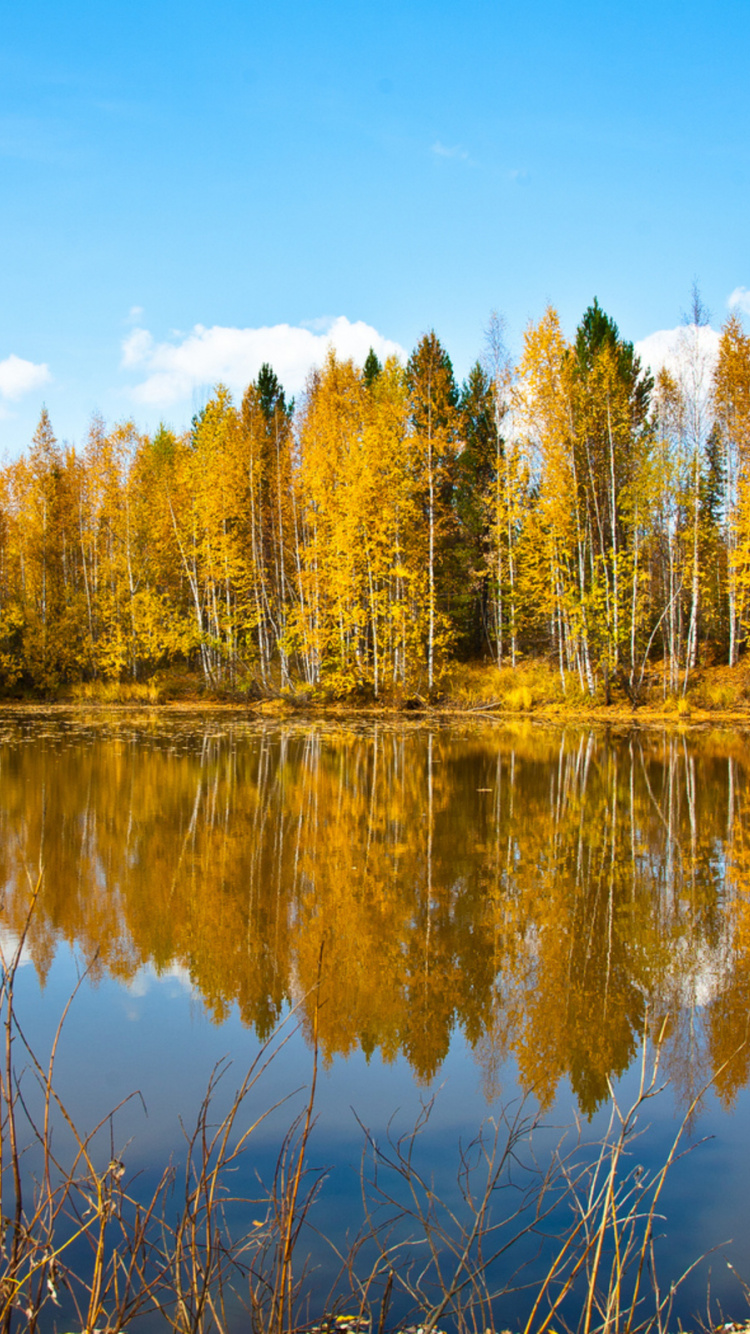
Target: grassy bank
[(532, 688), (536, 687)]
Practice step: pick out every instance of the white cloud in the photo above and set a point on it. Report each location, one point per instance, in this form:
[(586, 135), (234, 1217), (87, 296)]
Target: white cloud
[(740, 300), (457, 152), (319, 325), (136, 347), (688, 347), (173, 370), (19, 377)]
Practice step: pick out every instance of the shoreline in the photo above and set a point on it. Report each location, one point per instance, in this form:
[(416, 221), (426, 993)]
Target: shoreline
[(532, 692), (614, 715)]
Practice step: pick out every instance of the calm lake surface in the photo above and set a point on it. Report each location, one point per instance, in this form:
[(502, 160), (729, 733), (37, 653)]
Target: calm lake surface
[(500, 910)]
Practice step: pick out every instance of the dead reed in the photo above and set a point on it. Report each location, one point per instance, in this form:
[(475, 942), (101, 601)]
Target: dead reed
[(81, 1236)]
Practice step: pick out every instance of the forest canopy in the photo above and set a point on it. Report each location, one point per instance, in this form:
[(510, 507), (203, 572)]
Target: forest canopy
[(568, 505)]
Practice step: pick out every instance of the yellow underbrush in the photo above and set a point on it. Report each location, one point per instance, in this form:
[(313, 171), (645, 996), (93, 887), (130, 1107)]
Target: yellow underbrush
[(536, 686), (113, 692)]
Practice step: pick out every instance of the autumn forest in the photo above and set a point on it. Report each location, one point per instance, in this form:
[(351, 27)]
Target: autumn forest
[(569, 506)]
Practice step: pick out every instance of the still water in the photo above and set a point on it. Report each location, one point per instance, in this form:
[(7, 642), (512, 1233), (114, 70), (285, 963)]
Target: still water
[(472, 913)]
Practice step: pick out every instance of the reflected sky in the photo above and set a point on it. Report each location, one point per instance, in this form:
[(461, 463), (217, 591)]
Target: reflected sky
[(500, 913)]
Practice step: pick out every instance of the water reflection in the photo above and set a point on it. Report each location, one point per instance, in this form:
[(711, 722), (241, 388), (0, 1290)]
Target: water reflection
[(544, 891)]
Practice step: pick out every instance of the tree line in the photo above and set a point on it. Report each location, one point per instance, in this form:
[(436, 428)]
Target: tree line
[(568, 505)]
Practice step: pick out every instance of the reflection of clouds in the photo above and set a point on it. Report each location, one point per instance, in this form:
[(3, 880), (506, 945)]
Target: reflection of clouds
[(697, 972), (147, 977), (9, 944)]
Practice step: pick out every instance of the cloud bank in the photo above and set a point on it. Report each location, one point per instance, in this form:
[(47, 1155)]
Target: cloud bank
[(674, 348), (19, 377), (740, 300), (173, 371)]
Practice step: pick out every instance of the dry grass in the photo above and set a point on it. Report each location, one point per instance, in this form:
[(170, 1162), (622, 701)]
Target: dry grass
[(78, 1227), (594, 1216), (535, 686), (532, 685), (113, 692)]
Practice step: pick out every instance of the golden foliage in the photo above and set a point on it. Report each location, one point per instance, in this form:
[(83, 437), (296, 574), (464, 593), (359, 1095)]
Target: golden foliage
[(538, 891)]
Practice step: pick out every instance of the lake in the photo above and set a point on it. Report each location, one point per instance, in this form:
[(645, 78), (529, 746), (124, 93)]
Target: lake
[(469, 918)]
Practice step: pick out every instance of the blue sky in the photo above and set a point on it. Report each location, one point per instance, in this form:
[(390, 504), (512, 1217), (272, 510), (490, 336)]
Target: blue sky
[(177, 177)]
